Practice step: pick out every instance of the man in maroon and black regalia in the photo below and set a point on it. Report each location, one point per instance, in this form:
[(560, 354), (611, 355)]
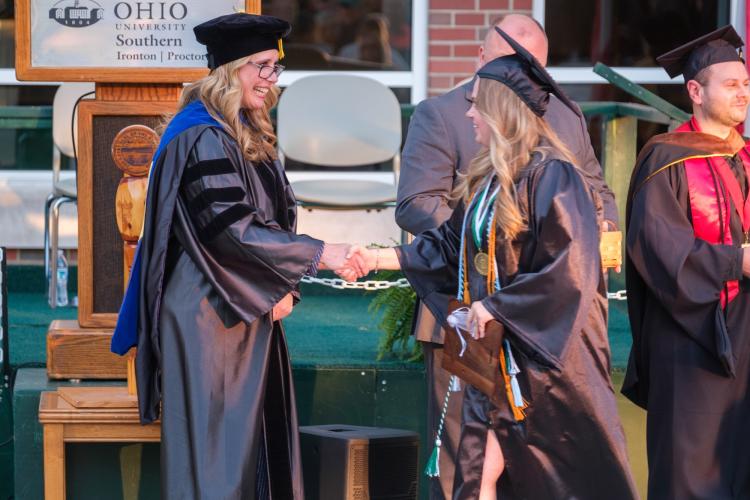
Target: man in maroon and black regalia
[(688, 221)]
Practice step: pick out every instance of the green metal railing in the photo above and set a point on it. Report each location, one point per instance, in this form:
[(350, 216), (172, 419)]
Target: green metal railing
[(619, 131), (639, 92), (26, 117), (26, 133)]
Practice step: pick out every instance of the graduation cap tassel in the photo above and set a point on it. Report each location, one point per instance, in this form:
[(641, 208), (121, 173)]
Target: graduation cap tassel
[(432, 469)]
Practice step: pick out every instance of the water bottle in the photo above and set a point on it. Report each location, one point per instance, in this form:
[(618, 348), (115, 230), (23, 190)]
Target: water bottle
[(62, 279)]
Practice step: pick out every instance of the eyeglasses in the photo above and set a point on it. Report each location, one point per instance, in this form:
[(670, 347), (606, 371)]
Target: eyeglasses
[(265, 71)]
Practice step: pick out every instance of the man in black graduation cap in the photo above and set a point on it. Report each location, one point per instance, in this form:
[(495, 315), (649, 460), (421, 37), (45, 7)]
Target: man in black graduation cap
[(688, 217)]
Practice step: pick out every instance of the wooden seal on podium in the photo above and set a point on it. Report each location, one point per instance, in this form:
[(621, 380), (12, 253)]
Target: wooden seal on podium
[(133, 148)]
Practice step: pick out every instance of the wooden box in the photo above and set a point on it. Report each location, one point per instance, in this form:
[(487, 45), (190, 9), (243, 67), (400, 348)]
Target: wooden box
[(75, 352)]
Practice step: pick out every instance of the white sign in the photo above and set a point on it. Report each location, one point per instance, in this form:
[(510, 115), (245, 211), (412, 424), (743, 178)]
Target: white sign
[(121, 34)]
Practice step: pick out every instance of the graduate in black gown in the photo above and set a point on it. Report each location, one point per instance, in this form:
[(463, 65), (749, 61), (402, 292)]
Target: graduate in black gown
[(522, 248), (217, 268), (688, 216)]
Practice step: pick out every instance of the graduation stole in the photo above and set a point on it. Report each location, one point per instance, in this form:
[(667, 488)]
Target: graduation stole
[(478, 205), (710, 179), (481, 211)]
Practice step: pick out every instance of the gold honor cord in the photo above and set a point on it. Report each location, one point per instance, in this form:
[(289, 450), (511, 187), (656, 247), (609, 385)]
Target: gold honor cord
[(672, 164), (508, 367)]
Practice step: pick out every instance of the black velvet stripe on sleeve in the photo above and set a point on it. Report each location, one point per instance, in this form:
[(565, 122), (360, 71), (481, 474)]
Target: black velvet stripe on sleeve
[(215, 195), (223, 221), (207, 168)]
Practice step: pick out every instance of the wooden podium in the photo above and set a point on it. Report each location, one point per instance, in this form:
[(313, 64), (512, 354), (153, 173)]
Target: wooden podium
[(134, 85)]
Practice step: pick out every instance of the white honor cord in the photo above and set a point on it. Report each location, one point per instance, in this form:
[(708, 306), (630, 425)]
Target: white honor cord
[(459, 320), (513, 370)]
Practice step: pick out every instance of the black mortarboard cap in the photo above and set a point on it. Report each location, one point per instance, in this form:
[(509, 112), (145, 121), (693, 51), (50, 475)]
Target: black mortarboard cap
[(715, 47), (526, 77), (234, 36)]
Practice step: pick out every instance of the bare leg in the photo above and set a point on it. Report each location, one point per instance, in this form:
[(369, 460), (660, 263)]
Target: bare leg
[(494, 464)]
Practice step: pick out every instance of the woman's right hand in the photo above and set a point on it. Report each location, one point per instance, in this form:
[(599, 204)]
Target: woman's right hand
[(364, 260), (344, 260), (479, 316)]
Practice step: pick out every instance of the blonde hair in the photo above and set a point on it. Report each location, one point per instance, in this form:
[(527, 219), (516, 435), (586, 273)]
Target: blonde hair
[(221, 93), (516, 134)]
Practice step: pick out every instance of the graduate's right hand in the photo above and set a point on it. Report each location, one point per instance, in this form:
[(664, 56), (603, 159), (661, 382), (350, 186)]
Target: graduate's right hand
[(355, 266), (339, 258), (478, 318)]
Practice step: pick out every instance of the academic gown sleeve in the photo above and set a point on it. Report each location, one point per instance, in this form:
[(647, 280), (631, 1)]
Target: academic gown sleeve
[(253, 262), (430, 263), (684, 273), (548, 301), (428, 168)]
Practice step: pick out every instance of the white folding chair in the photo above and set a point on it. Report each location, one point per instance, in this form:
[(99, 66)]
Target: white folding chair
[(334, 121), (63, 190)]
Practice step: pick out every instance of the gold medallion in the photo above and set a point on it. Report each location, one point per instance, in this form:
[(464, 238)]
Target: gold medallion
[(482, 263)]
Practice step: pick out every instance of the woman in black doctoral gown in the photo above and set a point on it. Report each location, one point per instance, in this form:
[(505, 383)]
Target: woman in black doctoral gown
[(218, 266)]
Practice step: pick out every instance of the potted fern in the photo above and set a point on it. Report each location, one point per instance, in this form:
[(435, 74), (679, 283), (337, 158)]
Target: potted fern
[(396, 306)]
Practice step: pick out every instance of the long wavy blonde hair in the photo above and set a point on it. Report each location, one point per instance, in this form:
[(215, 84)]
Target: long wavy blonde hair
[(516, 134), (221, 93)]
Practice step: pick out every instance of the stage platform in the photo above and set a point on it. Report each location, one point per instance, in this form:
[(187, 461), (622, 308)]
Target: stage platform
[(369, 396), (333, 344)]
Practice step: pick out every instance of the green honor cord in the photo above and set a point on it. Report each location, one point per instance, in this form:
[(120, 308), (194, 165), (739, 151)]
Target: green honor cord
[(481, 210)]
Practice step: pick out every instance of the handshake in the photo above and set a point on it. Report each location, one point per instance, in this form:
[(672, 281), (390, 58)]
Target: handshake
[(352, 262)]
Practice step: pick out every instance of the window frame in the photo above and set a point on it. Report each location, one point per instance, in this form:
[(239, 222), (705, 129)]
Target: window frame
[(414, 79), (641, 75)]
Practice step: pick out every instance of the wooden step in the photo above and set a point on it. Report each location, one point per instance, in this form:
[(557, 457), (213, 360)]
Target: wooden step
[(82, 353), (100, 398)]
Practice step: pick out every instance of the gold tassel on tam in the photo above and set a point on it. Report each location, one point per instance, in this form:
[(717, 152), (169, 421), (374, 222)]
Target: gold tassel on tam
[(281, 49)]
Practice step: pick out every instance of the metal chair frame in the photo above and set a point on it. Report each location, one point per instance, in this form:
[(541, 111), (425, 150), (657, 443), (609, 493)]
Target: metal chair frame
[(55, 200), (62, 192)]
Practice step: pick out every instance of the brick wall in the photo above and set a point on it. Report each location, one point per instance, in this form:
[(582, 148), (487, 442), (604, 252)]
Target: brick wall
[(456, 29), (35, 256)]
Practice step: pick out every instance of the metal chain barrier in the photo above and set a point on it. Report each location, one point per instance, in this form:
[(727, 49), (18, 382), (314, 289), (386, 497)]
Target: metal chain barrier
[(340, 284)]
